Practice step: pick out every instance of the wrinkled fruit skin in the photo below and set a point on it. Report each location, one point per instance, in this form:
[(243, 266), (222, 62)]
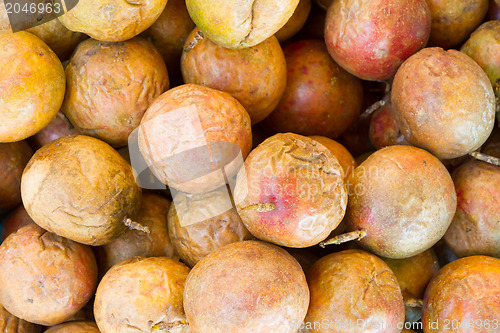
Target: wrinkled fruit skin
[(453, 20), (384, 130), (353, 285), (13, 158), (464, 290), (296, 21), (80, 188), (443, 102), (475, 229), (110, 86), (484, 47), (340, 152), (236, 24), (150, 295), (60, 39), (303, 181), (16, 221), (75, 327), (248, 286), (137, 243), (32, 85), (57, 128), (414, 273), (404, 198), (234, 72), (320, 97), (112, 20), (220, 224), (168, 34), (55, 278), (12, 324), (371, 38), (189, 117)]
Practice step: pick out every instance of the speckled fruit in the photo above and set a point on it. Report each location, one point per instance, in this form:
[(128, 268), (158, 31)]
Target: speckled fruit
[(112, 20), (320, 97), (484, 47), (54, 279), (80, 188), (414, 273), (296, 21), (168, 34), (340, 152), (18, 219), (75, 327), (454, 20), (404, 198), (466, 291), (384, 130), (247, 286), (234, 71), (136, 243), (12, 324), (198, 224), (302, 180), (59, 127), (110, 86), (141, 295), (60, 39), (353, 286), (190, 133), (13, 158), (32, 84), (476, 228), (371, 38), (238, 24), (443, 102)]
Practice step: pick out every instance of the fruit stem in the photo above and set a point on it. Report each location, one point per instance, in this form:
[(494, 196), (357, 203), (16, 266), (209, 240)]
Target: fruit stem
[(260, 207), (135, 226), (412, 302), (485, 158), (197, 38), (375, 106), (344, 238)]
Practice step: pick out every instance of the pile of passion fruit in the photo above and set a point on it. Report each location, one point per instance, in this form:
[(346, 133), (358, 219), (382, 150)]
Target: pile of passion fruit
[(283, 166)]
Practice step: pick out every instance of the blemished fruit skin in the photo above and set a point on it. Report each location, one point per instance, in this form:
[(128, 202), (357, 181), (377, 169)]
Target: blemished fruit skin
[(475, 229), (188, 117), (198, 224), (353, 286), (233, 71), (80, 188), (304, 182), (238, 24), (371, 38), (340, 152), (12, 324), (111, 85), (32, 84), (483, 46), (54, 279), (112, 20), (403, 198), (150, 297), (454, 20), (443, 102), (248, 286), (466, 292), (320, 97)]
